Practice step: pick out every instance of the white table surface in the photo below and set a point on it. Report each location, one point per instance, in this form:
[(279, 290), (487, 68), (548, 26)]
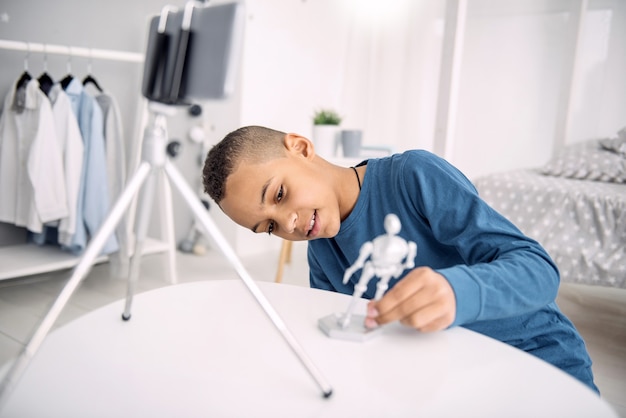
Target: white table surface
[(207, 349)]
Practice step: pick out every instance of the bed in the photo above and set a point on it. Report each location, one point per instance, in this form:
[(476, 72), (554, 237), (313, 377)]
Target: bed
[(575, 206)]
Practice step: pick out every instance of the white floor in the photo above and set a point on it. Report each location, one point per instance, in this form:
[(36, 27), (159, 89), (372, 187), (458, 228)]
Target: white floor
[(598, 313)]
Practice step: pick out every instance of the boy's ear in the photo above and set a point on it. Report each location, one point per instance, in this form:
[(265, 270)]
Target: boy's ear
[(300, 145)]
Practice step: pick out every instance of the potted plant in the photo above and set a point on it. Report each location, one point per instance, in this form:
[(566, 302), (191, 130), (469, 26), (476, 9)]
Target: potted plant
[(326, 117), (326, 132)]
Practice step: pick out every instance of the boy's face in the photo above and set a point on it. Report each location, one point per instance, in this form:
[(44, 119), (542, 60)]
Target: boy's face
[(291, 197)]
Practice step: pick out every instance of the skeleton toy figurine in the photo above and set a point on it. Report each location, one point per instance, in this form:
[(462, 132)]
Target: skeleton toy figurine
[(386, 257)]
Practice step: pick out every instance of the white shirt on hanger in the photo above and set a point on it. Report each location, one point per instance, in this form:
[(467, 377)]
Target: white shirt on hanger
[(71, 144), (32, 179)]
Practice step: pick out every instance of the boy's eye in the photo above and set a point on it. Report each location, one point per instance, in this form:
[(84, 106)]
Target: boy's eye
[(279, 196)]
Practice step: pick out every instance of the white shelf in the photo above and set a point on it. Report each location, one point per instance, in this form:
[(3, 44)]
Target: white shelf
[(27, 259)]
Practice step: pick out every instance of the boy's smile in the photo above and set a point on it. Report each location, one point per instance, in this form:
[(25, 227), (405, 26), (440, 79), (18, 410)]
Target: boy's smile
[(297, 196), (314, 227)]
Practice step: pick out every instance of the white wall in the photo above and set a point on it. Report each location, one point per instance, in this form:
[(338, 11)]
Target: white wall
[(599, 99), (378, 64), (374, 62), (515, 63), (509, 90)]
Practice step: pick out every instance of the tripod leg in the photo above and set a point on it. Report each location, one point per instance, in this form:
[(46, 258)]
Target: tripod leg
[(142, 222), (80, 271), (167, 226), (213, 231)]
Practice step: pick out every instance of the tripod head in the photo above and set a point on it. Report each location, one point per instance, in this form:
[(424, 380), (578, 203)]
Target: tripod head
[(193, 53)]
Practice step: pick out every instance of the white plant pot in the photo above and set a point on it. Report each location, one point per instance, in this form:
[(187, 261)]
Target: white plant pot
[(325, 139)]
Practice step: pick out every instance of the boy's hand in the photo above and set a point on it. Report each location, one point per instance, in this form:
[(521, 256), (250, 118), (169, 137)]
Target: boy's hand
[(423, 300)]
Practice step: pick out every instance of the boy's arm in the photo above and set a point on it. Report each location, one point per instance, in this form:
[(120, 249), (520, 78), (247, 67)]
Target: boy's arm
[(504, 273)]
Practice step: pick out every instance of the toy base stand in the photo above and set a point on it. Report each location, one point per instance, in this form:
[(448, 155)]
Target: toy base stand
[(355, 331)]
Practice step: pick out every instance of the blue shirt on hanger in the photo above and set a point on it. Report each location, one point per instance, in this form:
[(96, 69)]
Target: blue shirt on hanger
[(93, 198)]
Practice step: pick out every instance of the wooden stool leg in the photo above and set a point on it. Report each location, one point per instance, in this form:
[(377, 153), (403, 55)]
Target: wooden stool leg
[(289, 246), (283, 258)]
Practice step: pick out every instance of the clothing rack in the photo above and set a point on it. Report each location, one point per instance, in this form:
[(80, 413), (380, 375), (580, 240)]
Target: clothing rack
[(27, 259), (72, 51)]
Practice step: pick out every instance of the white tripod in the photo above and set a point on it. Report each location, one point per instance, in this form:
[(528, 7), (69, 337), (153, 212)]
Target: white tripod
[(154, 159)]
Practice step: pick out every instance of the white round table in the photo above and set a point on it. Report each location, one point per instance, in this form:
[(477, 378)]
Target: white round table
[(206, 349)]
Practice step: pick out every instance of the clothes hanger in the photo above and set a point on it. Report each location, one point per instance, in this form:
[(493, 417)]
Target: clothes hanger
[(45, 80), (90, 78), (25, 77), (69, 77), (23, 80)]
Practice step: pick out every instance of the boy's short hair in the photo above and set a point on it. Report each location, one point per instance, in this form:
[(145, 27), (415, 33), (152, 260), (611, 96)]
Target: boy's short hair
[(250, 143)]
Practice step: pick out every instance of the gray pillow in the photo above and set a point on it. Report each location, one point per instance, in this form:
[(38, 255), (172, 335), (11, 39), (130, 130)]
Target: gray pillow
[(617, 145), (589, 160)]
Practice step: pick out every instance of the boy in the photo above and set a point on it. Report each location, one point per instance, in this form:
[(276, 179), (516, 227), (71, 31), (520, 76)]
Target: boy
[(473, 267)]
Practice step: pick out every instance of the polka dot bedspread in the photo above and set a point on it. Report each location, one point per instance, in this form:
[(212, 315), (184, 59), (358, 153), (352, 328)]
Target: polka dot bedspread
[(581, 223)]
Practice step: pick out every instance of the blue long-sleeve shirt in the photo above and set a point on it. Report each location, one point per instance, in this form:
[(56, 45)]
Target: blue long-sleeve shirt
[(505, 283)]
